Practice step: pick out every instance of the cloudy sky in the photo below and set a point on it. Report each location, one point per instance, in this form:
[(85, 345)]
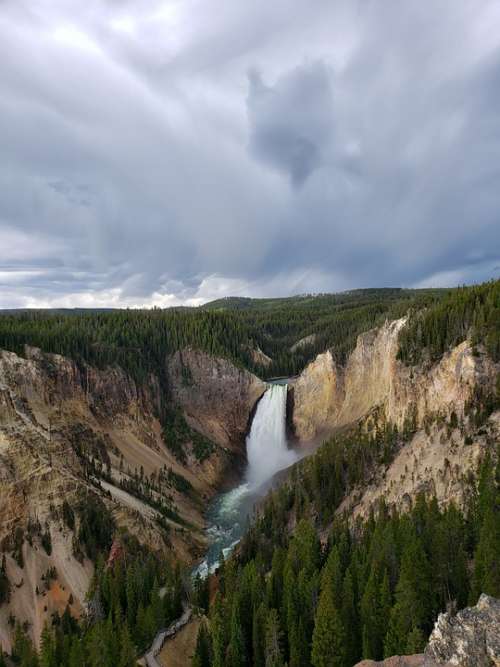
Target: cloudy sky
[(175, 151)]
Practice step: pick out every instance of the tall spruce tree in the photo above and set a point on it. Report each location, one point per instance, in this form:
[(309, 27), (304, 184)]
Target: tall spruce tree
[(201, 656), (328, 643), (273, 651), (412, 595)]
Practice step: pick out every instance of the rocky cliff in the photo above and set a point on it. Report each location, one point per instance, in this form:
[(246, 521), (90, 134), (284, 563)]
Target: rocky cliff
[(327, 395), (429, 404), (470, 638), (216, 398), (70, 431)]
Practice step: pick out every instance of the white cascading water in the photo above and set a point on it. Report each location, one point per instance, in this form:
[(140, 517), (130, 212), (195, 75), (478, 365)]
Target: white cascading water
[(267, 447), (267, 453)]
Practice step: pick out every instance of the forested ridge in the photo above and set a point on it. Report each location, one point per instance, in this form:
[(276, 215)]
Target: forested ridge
[(368, 592), (136, 340), (331, 320), (139, 340), (467, 312)]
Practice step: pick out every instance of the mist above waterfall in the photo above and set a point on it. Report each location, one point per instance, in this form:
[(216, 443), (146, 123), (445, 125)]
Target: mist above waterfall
[(267, 447)]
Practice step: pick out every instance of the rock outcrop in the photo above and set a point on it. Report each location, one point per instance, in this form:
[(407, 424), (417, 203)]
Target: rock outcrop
[(304, 342), (470, 638), (216, 397), (259, 357), (328, 396), (395, 661), (317, 394)]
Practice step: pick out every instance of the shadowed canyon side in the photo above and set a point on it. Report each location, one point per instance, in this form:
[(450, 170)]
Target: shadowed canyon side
[(71, 434), (216, 398)]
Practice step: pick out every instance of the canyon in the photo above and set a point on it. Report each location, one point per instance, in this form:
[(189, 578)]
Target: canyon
[(56, 417), (69, 430)]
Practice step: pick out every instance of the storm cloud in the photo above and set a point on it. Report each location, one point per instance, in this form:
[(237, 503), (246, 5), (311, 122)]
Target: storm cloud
[(174, 152), (291, 123)]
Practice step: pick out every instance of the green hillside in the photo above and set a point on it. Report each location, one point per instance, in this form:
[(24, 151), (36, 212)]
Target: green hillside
[(138, 340)]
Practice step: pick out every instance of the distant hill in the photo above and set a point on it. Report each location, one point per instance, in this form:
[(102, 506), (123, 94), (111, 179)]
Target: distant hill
[(318, 300)]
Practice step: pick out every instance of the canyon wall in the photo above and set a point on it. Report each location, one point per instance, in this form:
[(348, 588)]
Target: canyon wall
[(71, 431), (428, 404), (328, 396), (216, 398)]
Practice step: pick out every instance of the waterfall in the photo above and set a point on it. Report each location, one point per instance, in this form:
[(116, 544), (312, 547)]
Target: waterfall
[(267, 452), (267, 448)]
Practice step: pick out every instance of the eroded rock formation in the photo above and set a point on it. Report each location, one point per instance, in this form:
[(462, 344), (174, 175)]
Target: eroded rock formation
[(429, 403), (216, 397), (470, 638), (327, 395)]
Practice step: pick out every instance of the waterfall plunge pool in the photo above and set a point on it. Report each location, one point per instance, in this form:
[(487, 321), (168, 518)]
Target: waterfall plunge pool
[(267, 454)]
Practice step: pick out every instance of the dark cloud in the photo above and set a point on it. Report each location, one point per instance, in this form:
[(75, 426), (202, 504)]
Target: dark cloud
[(291, 123), (142, 164)]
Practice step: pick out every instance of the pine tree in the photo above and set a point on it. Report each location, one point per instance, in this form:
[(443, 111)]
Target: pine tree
[(273, 652), (328, 643), (415, 642), (486, 578), (23, 651), (201, 656), (259, 621), (370, 616), (413, 594), (47, 649), (200, 590), (449, 559), (157, 608), (218, 634), (299, 643), (76, 655), (237, 655), (128, 656), (332, 575), (140, 630), (131, 598), (98, 647), (350, 620)]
